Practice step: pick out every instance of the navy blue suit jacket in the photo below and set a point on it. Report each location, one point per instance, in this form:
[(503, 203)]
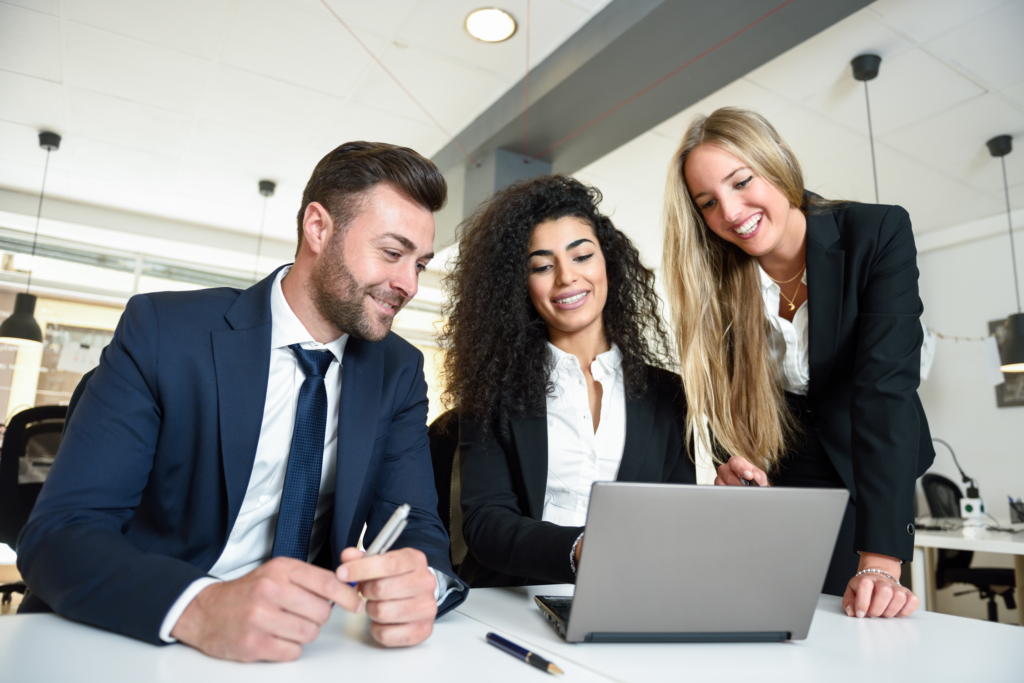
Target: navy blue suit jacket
[(155, 463)]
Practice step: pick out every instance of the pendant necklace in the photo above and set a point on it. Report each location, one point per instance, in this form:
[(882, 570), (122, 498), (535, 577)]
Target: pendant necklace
[(790, 300)]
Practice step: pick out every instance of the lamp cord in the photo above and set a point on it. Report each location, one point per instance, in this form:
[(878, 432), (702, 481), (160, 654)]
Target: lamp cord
[(1009, 221), (259, 242), (957, 463), (39, 213), (871, 138)]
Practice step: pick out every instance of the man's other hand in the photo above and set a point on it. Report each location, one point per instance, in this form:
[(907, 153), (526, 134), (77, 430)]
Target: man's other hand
[(268, 614), (399, 592)]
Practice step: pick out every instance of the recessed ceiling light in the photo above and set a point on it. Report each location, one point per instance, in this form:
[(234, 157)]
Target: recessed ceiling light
[(490, 25)]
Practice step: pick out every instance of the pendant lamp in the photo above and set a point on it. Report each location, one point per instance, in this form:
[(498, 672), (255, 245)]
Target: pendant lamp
[(1012, 353), (267, 188), (865, 68), (21, 328)]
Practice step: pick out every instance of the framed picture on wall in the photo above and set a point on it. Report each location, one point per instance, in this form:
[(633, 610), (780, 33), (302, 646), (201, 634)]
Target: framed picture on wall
[(1011, 392)]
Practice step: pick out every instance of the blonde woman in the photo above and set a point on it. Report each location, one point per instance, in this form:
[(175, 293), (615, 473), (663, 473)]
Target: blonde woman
[(798, 328)]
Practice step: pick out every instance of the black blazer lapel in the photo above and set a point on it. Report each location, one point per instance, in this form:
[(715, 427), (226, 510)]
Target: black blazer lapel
[(531, 445), (362, 382), (241, 358), (825, 277), (639, 427)]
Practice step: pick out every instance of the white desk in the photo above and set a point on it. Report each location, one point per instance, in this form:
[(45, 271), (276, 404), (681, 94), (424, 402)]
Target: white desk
[(968, 538), (44, 648)]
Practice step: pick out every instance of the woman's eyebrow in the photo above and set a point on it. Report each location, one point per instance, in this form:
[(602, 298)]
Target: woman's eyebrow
[(573, 245)]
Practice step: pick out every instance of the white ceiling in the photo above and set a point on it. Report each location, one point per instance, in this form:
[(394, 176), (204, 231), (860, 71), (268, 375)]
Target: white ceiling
[(952, 76), (177, 109)]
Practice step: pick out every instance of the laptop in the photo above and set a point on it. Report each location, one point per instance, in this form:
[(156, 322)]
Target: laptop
[(677, 563)]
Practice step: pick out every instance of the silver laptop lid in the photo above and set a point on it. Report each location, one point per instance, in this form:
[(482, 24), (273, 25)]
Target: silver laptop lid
[(669, 558)]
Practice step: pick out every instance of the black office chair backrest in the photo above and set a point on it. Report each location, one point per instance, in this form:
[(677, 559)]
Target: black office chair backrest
[(38, 429), (943, 495), (444, 456)]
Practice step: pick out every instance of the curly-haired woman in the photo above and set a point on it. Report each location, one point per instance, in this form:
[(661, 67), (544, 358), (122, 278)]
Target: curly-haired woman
[(554, 353)]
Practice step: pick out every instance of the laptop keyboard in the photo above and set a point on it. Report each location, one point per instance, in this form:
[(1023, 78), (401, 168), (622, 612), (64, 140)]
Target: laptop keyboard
[(560, 606)]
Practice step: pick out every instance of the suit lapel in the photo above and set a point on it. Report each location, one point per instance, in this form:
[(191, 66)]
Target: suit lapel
[(531, 440), (639, 427), (241, 358), (362, 382), (825, 263)]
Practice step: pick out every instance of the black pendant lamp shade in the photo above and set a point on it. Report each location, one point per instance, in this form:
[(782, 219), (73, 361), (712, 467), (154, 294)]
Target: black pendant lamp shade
[(21, 326), (1011, 355)]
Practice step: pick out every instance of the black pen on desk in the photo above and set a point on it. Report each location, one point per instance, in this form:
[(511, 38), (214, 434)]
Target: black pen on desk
[(522, 653)]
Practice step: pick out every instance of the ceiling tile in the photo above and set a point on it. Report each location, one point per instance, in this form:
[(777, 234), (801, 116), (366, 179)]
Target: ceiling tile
[(129, 167), (133, 70), (28, 178), (453, 94), (954, 140), (21, 144), (32, 101), (283, 42), (46, 6), (816, 64), (382, 17), (1015, 93), (740, 93), (358, 122), (813, 137), (440, 28), (228, 147), (845, 176), (641, 163), (924, 19), (910, 87), (30, 43), (190, 26), (128, 124), (988, 46), (267, 106)]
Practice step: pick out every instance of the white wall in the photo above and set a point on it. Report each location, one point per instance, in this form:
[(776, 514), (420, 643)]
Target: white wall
[(963, 287)]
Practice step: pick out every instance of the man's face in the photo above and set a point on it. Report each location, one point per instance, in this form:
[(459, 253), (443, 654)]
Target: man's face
[(370, 269)]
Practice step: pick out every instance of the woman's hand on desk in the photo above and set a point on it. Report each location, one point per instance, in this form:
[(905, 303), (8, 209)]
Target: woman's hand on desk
[(399, 591), (873, 594), (738, 468)]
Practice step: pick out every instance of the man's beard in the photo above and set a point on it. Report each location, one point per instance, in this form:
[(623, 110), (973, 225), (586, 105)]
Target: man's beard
[(342, 301)]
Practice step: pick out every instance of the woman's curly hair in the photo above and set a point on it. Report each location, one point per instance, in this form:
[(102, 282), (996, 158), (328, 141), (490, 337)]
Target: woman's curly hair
[(497, 364)]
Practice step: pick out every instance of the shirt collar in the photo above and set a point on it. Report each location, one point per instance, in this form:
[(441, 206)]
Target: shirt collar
[(287, 329), (606, 363)]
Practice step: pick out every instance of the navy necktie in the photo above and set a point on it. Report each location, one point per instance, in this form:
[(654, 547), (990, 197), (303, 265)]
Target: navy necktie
[(305, 462)]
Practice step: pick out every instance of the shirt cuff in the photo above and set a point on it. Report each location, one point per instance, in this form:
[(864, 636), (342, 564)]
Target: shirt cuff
[(178, 608), (446, 585)]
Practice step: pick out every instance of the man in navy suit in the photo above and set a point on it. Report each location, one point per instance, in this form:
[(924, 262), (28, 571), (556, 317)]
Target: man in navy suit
[(230, 438)]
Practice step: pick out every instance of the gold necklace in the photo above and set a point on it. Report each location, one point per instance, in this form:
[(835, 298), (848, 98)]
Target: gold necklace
[(786, 282), (792, 306)]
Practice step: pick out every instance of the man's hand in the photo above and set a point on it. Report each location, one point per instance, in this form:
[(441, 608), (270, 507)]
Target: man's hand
[(268, 614), (874, 595), (399, 592), (738, 468)]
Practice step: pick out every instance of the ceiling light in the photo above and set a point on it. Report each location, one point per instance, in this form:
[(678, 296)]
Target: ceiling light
[(490, 25)]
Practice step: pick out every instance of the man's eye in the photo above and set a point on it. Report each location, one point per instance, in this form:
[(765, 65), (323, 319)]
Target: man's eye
[(421, 267)]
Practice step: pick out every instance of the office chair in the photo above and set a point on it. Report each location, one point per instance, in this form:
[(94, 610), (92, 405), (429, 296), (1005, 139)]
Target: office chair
[(954, 566), (444, 456), (30, 442)]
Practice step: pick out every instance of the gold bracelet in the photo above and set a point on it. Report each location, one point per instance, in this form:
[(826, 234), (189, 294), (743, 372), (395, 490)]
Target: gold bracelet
[(887, 575)]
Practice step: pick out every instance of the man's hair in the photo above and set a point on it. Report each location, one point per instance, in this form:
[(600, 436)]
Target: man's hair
[(345, 175)]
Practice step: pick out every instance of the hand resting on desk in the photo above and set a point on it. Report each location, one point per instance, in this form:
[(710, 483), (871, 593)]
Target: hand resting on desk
[(268, 614), (875, 595)]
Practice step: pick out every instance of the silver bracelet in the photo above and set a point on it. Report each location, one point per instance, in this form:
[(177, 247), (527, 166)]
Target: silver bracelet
[(878, 571), (572, 553)]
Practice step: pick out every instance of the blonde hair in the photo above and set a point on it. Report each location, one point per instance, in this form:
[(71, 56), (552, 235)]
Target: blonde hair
[(733, 390)]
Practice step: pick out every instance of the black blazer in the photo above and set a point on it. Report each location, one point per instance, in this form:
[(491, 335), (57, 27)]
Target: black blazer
[(864, 342), (504, 479)]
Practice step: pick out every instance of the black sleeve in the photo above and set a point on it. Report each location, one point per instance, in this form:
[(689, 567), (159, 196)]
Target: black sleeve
[(887, 372), (498, 533)]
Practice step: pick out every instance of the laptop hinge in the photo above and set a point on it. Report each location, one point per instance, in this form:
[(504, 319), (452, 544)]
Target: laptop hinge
[(695, 637)]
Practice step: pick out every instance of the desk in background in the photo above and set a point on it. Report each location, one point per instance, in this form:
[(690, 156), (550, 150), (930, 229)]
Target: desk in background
[(967, 538), (927, 646)]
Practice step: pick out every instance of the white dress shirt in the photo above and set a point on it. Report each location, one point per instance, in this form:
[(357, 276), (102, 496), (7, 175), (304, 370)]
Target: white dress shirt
[(787, 340), (251, 540), (577, 456)]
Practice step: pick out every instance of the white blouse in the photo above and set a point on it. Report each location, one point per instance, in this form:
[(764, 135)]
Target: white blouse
[(787, 340), (577, 456)]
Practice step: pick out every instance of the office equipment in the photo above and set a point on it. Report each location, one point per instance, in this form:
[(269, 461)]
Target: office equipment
[(522, 653), (680, 542), (953, 565)]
